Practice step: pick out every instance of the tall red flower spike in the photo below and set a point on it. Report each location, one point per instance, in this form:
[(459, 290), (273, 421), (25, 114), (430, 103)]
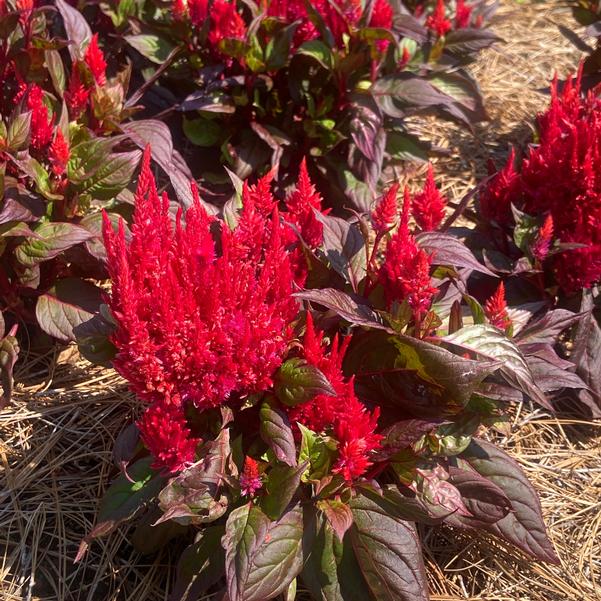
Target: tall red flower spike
[(405, 273), (250, 478), (437, 21), (76, 95), (197, 328), (463, 14), (495, 309), (341, 414), (502, 190), (58, 153), (542, 244), (41, 123), (429, 205), (226, 23), (198, 11), (301, 205), (384, 216), (94, 58), (381, 17)]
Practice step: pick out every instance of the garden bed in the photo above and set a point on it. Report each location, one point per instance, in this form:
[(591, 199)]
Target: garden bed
[(57, 436)]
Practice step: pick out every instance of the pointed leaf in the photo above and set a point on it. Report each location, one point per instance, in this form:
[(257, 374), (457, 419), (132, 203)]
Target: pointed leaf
[(276, 432), (298, 382)]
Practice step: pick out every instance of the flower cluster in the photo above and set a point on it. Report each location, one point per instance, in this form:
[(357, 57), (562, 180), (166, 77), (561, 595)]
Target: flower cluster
[(405, 271), (341, 414), (197, 328), (559, 183), (447, 16)]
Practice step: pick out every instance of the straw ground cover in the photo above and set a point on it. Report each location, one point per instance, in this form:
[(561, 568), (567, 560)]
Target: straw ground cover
[(56, 438)]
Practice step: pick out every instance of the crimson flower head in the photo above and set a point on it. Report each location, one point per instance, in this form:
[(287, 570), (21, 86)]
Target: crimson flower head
[(542, 244), (384, 216), (94, 58), (342, 414), (198, 10), (41, 123), (381, 17), (58, 153), (405, 273), (226, 22), (76, 95), (429, 205), (463, 14), (495, 309), (437, 21), (501, 191), (197, 328), (250, 478), (301, 206)]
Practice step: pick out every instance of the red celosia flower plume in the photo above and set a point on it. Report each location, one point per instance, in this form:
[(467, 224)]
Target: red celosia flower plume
[(381, 17), (495, 309), (405, 273), (94, 58), (250, 478), (560, 177), (437, 21), (384, 216), (542, 244), (341, 414), (41, 124), (463, 14), (58, 153), (195, 328), (429, 205), (301, 206), (199, 11), (226, 22), (76, 95)]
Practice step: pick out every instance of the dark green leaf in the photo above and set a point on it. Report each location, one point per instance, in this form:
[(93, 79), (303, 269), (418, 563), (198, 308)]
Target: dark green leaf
[(298, 382), (276, 432), (281, 486), (202, 132), (262, 557), (153, 47)]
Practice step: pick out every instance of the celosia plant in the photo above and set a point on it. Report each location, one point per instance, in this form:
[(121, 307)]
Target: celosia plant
[(266, 84), (310, 393), (64, 155), (540, 224)]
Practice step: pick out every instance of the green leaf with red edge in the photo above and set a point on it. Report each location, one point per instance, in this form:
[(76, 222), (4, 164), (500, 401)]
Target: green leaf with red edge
[(524, 526), (276, 432), (338, 515), (68, 304), (123, 499), (281, 486), (296, 381), (388, 552), (491, 343), (262, 557), (200, 566), (52, 239)]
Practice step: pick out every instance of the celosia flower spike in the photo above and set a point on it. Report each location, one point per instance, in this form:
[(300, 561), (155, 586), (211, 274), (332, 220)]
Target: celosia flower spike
[(429, 205), (58, 153), (437, 21), (250, 478), (226, 23), (41, 124), (341, 414), (196, 329), (463, 14), (495, 309), (384, 216), (94, 58), (198, 10), (542, 244), (76, 95), (301, 205), (501, 191)]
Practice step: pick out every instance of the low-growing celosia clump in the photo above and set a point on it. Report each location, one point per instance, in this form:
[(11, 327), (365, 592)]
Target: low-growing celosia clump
[(557, 191), (311, 391)]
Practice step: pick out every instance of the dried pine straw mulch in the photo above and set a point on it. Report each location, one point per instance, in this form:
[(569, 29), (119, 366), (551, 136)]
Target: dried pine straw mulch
[(56, 438)]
